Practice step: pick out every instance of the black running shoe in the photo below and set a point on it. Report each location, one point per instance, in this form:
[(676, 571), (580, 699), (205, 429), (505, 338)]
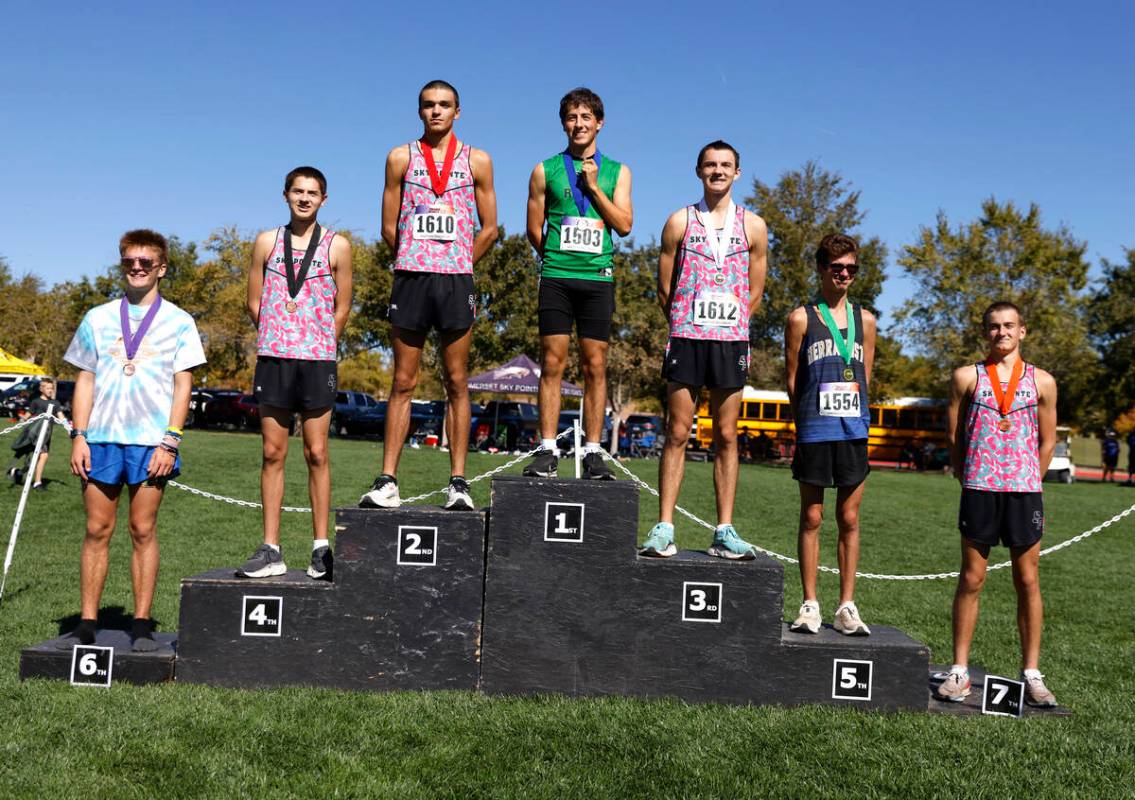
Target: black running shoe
[(542, 465), (322, 563), (595, 468)]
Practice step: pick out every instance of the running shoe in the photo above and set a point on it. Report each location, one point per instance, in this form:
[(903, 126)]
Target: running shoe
[(808, 621), (142, 636), (955, 688), (383, 494), (659, 542), (17, 475), (542, 465), (322, 563), (847, 621), (727, 544), (264, 563), (457, 495), (595, 468), (1036, 693)]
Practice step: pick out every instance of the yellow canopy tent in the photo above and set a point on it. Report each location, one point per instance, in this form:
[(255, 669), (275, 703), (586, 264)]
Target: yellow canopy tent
[(17, 366)]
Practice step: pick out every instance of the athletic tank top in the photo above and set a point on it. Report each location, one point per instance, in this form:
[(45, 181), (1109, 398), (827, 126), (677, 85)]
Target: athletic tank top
[(556, 262), (997, 460), (709, 302), (825, 408), (308, 333), (435, 234)]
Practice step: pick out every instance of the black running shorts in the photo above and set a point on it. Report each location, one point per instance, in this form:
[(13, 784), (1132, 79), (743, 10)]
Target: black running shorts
[(589, 304), (423, 300), (714, 365), (294, 384), (1014, 519), (830, 464)]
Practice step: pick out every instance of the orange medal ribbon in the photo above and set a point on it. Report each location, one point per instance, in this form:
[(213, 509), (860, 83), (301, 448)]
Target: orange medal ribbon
[(1005, 398)]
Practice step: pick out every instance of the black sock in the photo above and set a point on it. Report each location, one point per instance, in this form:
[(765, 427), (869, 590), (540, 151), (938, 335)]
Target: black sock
[(85, 631), (142, 635)]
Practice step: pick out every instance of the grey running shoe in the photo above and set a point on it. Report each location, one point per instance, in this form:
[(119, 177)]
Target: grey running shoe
[(542, 465), (264, 563), (847, 621), (383, 494), (322, 563), (955, 688), (142, 636), (595, 468), (457, 495), (808, 621), (727, 544), (659, 542), (1036, 693), (17, 475)]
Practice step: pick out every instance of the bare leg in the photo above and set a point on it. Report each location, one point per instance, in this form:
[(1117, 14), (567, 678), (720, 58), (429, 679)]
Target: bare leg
[(407, 360), (847, 502), (455, 361), (316, 424), (144, 503), (553, 354), (101, 503), (680, 401), (275, 425), (975, 557), (726, 408), (40, 463), (808, 536), (593, 354), (1030, 607)]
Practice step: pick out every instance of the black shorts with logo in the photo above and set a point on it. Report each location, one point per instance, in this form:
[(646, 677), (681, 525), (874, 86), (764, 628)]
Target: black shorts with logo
[(701, 362), (589, 304), (828, 464), (423, 300), (294, 384), (1014, 519)]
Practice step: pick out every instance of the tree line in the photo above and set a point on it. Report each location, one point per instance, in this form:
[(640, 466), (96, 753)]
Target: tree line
[(1082, 332)]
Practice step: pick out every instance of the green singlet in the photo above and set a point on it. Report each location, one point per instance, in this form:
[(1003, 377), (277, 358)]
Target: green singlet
[(559, 203)]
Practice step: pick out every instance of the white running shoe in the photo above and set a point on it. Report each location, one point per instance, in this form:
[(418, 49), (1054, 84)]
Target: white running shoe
[(457, 495), (808, 620), (848, 623), (383, 494)]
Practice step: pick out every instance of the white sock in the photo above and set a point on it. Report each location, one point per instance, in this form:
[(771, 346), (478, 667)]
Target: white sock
[(550, 446), (1033, 673), (275, 547), (592, 447), (959, 669), (318, 543)]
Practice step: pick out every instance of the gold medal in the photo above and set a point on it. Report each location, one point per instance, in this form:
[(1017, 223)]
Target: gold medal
[(128, 369), (291, 306), (848, 374), (1004, 424)]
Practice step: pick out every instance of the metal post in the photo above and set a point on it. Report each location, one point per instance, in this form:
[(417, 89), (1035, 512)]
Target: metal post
[(578, 433), (47, 422)]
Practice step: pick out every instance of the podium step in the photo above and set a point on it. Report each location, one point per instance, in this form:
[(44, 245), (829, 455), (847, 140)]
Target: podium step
[(46, 660)]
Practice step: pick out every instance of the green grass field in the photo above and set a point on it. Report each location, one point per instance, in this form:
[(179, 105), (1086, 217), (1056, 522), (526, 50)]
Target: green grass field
[(194, 741)]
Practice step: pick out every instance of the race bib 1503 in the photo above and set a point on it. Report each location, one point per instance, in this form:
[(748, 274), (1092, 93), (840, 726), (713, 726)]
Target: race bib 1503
[(581, 235)]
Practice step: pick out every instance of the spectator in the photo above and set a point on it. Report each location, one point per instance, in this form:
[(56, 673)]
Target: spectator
[(1131, 456), (1109, 454)]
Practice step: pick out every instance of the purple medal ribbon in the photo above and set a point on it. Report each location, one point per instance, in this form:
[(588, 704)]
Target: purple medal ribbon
[(133, 342), (582, 201)]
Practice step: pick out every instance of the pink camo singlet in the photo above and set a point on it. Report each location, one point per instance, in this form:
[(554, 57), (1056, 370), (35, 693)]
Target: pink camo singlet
[(700, 274), (308, 333), (997, 460), (449, 252)]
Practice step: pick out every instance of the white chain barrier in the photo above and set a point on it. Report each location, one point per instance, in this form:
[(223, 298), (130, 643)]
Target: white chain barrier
[(641, 484)]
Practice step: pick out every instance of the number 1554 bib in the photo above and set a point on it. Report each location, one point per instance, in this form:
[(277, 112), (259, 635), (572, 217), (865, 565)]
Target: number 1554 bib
[(839, 399)]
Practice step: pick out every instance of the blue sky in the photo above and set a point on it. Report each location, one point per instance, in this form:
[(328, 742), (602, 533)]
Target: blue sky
[(185, 117)]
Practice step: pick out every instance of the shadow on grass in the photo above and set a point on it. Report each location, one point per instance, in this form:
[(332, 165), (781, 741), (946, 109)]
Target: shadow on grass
[(111, 618)]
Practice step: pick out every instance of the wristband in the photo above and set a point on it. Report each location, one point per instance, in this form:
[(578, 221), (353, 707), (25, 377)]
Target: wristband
[(77, 432), (175, 431), (168, 448)]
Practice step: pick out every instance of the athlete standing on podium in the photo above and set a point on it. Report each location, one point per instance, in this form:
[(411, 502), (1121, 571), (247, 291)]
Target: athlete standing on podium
[(829, 349), (299, 297), (720, 251), (581, 194), (434, 187)]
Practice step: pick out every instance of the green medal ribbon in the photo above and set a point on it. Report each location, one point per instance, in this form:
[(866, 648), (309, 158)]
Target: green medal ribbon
[(842, 345)]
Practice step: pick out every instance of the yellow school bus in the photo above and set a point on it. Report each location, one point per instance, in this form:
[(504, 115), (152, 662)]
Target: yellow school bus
[(914, 421)]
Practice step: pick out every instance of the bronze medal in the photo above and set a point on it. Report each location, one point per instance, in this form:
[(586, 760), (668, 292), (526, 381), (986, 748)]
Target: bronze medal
[(291, 306), (848, 374), (128, 369), (1005, 425), (719, 279)]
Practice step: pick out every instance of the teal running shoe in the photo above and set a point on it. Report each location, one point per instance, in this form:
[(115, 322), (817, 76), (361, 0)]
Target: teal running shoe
[(727, 544), (659, 542)]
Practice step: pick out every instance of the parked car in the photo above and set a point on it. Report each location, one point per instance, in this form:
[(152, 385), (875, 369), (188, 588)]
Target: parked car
[(358, 414), (506, 425), (232, 408), (567, 419), (15, 398), (1062, 468)]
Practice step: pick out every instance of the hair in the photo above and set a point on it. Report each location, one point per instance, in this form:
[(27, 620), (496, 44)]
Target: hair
[(144, 237), (1001, 305), (305, 172), (581, 96), (440, 84), (718, 144), (42, 381), (833, 246)]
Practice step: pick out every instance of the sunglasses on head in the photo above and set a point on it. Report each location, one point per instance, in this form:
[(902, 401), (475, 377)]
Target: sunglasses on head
[(145, 264), (851, 268)]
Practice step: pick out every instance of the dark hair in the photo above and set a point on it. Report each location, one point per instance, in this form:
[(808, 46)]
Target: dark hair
[(581, 96), (1001, 305), (305, 172), (440, 84), (718, 144), (144, 237), (833, 246)]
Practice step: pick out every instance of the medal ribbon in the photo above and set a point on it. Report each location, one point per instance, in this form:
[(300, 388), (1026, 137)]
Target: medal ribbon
[(295, 282), (439, 180), (133, 342), (582, 201), (717, 243), (1005, 398), (841, 344)]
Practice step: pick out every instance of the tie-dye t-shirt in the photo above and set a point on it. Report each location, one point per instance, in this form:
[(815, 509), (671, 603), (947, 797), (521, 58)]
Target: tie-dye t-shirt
[(133, 409)]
